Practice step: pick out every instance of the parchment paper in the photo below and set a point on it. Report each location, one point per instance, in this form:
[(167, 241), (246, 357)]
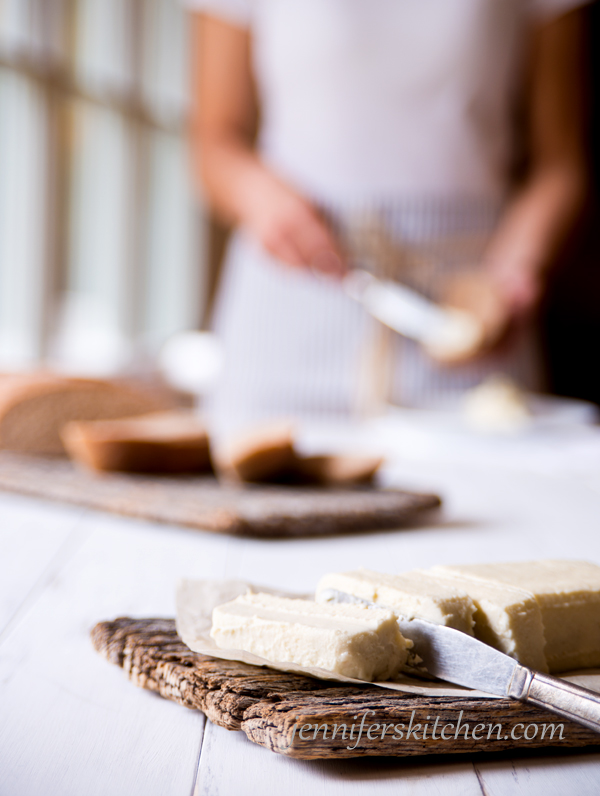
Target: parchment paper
[(197, 598)]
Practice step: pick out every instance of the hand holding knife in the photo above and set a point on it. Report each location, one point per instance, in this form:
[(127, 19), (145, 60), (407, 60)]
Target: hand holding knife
[(447, 334)]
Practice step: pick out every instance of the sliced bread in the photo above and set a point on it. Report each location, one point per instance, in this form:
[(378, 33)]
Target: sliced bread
[(262, 453), (266, 453), (161, 442), (34, 407), (340, 470)]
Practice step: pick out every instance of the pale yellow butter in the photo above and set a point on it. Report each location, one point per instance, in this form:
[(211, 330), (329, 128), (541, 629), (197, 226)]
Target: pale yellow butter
[(506, 617), (568, 594), (350, 640), (410, 594)]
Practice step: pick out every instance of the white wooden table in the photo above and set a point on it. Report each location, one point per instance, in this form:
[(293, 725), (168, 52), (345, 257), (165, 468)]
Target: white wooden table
[(72, 725)]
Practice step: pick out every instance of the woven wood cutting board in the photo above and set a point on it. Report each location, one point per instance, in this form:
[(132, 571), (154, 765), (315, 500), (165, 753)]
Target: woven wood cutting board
[(266, 704), (203, 503)]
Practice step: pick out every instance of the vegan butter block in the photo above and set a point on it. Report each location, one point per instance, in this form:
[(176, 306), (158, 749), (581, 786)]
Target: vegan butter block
[(506, 617), (350, 640), (411, 594), (568, 594)]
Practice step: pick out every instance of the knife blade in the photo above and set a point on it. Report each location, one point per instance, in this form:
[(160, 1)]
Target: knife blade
[(458, 658), (446, 332)]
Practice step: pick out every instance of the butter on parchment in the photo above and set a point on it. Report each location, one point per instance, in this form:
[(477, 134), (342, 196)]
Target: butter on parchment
[(350, 640), (568, 594), (415, 594)]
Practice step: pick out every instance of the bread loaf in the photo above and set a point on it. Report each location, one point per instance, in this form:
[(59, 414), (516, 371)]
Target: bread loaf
[(34, 407)]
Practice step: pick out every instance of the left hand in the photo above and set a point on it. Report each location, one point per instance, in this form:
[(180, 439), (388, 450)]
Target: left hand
[(519, 288), (481, 294)]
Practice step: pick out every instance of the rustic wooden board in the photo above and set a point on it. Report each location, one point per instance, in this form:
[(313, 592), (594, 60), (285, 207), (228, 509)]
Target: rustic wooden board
[(203, 503), (267, 705)]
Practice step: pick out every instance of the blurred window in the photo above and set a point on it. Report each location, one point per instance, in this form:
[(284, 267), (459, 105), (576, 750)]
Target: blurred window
[(101, 241)]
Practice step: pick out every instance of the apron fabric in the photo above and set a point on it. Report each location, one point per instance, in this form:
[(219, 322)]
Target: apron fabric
[(296, 345), (397, 116)]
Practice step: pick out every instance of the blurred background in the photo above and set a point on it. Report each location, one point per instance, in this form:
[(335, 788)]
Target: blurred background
[(105, 252), (102, 246)]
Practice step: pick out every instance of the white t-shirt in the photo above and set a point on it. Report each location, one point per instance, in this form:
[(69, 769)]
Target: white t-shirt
[(385, 99)]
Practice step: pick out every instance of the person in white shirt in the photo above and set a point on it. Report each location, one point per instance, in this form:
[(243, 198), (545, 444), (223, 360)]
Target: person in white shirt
[(403, 117)]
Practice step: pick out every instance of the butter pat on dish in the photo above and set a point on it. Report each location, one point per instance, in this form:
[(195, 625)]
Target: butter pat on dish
[(349, 640), (415, 594)]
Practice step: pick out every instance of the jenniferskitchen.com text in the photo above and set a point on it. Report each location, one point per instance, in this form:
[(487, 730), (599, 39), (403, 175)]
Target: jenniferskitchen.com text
[(363, 727)]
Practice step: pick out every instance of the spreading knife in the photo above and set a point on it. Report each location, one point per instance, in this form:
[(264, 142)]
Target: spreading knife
[(445, 332), (458, 658)]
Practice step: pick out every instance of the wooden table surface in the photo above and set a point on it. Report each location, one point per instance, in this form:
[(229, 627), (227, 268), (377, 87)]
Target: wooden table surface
[(71, 724)]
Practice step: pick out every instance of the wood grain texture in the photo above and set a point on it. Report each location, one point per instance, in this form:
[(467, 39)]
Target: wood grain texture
[(272, 707), (202, 503)]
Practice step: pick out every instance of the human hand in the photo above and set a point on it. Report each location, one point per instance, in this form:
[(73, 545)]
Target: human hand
[(289, 227), (477, 295), (519, 288)]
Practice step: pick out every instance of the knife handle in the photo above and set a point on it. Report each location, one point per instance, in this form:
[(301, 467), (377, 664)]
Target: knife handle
[(566, 699)]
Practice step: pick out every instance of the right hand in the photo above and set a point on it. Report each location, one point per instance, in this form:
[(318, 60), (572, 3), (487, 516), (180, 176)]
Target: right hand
[(289, 227)]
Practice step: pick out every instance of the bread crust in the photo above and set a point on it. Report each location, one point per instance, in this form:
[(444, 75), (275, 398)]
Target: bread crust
[(35, 406)]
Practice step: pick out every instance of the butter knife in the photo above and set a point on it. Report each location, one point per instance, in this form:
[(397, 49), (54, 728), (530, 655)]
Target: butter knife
[(462, 659), (445, 332)]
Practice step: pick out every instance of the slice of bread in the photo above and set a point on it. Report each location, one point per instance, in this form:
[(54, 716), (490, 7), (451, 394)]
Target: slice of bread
[(266, 453), (34, 407), (161, 442), (262, 453), (342, 470)]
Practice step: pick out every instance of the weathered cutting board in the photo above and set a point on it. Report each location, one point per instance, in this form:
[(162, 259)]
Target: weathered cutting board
[(273, 708), (202, 502)]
